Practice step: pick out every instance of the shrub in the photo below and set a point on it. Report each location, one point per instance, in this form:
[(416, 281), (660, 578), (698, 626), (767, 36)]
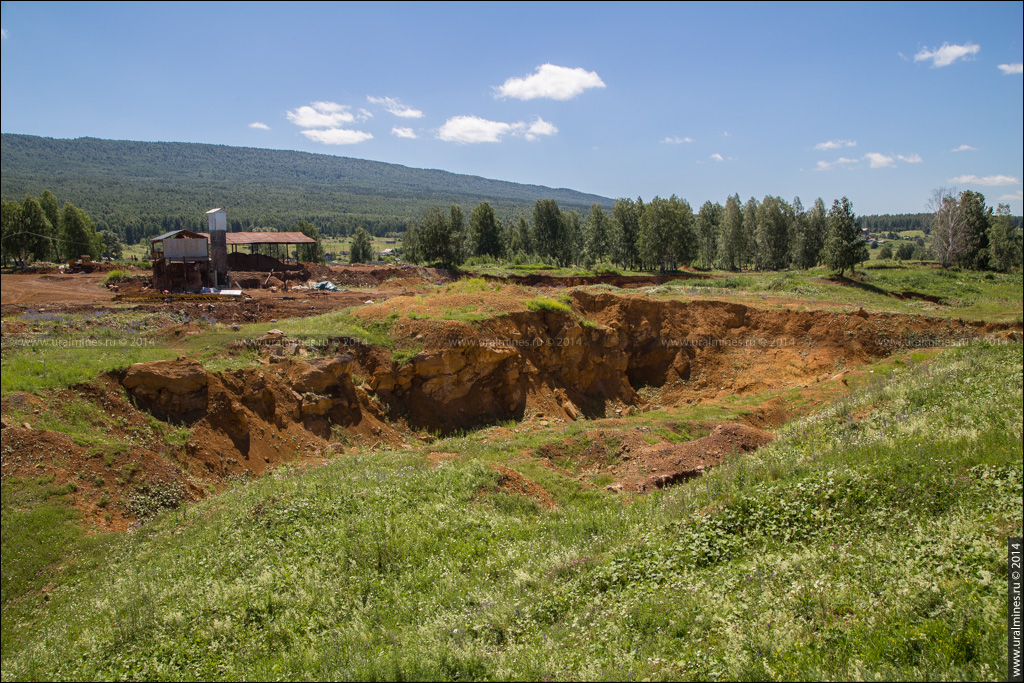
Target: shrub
[(117, 275), (544, 304)]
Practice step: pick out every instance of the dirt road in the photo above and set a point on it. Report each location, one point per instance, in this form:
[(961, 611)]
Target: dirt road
[(81, 288)]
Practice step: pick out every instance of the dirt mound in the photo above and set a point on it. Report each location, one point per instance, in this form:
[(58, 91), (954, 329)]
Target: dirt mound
[(638, 460), (317, 272), (238, 261), (360, 275), (659, 466), (511, 481)]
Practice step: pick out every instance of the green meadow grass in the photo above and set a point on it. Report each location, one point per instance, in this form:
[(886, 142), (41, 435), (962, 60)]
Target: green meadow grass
[(60, 356), (974, 295), (851, 547), (63, 349), (39, 368)]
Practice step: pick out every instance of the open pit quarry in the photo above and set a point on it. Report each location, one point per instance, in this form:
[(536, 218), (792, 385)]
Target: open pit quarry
[(595, 355)]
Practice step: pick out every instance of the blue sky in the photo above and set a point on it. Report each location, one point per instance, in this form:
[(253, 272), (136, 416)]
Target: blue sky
[(881, 102)]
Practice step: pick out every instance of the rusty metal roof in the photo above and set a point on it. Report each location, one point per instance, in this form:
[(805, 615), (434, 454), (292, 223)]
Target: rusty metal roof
[(268, 238), (259, 237)]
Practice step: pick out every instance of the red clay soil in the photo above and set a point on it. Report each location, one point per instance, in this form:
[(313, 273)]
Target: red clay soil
[(75, 293), (363, 275), (437, 459), (614, 351), (657, 466), (718, 349), (241, 424), (247, 421), (108, 485), (53, 289), (511, 481), (638, 461)]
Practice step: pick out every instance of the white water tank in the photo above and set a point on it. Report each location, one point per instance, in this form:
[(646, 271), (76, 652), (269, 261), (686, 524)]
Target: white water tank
[(218, 219)]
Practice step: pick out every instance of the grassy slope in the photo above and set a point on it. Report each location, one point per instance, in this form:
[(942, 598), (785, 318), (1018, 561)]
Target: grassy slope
[(967, 294), (848, 548)]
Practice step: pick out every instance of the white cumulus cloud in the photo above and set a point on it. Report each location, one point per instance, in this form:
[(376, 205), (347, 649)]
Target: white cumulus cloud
[(834, 144), (322, 121), (964, 148), (259, 126), (395, 107), (321, 115), (989, 180), (912, 159), (3, 33), (538, 128), (1015, 197), (471, 129), (474, 129), (841, 161), (337, 136), (676, 140), (717, 157), (947, 54), (407, 133), (1012, 69), (877, 160), (551, 82)]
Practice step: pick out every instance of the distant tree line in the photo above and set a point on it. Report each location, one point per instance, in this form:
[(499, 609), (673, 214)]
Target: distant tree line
[(896, 222), (43, 229), (661, 234)]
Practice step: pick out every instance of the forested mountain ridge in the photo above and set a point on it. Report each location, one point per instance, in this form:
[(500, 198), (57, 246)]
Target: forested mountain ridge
[(140, 188)]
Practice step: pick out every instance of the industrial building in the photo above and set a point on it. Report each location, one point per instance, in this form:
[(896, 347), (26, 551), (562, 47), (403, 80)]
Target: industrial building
[(188, 261)]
